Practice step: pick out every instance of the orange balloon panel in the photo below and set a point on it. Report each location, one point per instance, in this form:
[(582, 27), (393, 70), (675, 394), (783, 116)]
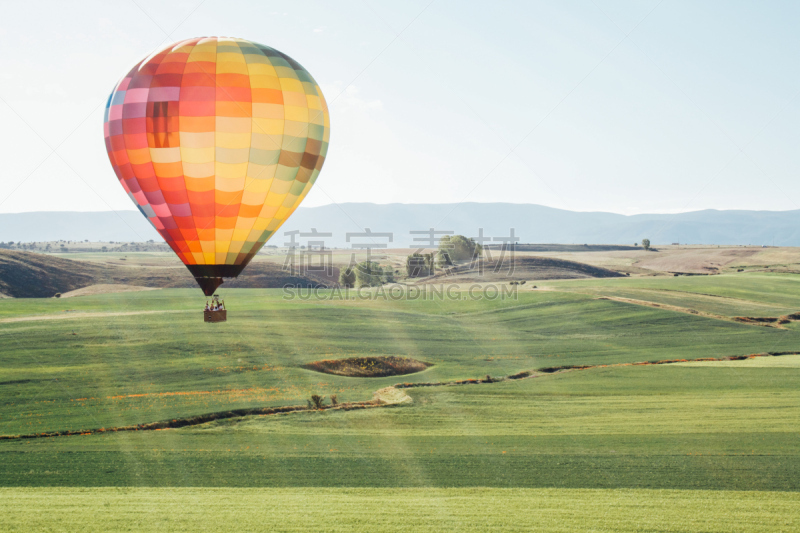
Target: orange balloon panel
[(217, 141)]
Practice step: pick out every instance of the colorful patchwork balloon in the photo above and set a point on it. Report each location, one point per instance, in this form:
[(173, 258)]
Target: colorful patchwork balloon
[(217, 141)]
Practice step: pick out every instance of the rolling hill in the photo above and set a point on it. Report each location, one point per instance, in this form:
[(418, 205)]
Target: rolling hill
[(521, 268), (32, 275)]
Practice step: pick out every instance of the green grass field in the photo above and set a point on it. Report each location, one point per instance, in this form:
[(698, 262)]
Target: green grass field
[(752, 294), (684, 447), (407, 510)]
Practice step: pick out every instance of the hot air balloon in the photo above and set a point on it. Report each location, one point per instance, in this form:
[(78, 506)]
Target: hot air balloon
[(217, 141)]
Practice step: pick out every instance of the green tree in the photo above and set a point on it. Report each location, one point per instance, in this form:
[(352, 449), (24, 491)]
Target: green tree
[(459, 248), (646, 244), (347, 278), (368, 274), (388, 274), (419, 265)]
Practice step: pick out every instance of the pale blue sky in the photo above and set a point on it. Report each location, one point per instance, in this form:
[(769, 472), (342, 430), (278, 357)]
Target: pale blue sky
[(598, 105)]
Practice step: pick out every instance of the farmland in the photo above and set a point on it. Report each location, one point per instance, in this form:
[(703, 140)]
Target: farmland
[(406, 510), (612, 447)]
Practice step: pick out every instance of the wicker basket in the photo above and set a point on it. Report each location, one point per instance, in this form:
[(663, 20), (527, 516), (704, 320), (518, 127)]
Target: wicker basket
[(215, 316)]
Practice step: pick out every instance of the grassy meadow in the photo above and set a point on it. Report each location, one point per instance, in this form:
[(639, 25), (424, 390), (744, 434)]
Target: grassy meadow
[(682, 447), (404, 510), (751, 294)]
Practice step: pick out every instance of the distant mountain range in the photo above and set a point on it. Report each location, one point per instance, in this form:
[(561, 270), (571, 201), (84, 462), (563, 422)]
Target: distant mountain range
[(531, 223)]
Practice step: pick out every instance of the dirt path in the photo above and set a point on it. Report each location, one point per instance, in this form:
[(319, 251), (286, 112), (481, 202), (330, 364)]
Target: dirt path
[(703, 295), (385, 397), (106, 288), (687, 310), (64, 315), (527, 374)]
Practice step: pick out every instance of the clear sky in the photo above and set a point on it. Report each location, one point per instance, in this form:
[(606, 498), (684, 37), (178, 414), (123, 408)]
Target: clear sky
[(598, 105)]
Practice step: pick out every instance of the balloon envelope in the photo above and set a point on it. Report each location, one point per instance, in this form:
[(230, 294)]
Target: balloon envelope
[(217, 141)]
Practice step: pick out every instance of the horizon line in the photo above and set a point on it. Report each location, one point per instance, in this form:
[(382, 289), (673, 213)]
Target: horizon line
[(134, 210)]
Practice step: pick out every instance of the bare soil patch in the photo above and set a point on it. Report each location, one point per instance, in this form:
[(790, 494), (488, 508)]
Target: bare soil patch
[(390, 396), (786, 361), (698, 260), (368, 367), (553, 247)]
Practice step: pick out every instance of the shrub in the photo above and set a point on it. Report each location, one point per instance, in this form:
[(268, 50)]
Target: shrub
[(368, 274), (419, 265), (57, 295), (443, 259), (318, 401), (334, 400), (347, 278)]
